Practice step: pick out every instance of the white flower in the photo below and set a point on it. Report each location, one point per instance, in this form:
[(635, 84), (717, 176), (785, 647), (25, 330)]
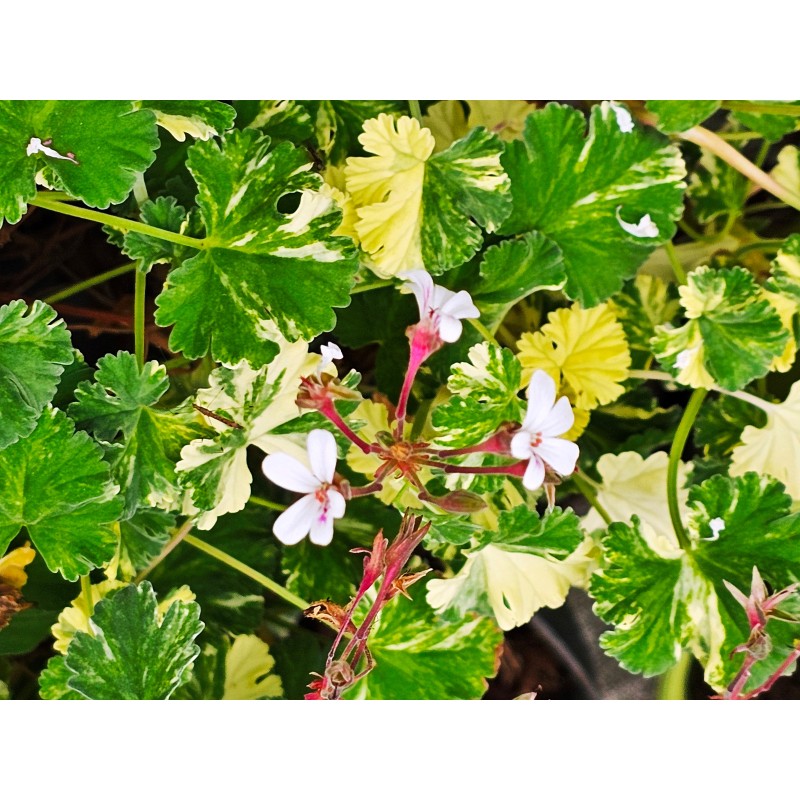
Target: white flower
[(645, 228), (330, 352), (624, 118), (440, 308), (717, 525), (537, 440), (322, 503)]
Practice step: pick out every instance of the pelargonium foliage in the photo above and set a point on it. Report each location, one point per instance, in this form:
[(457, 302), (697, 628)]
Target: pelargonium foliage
[(410, 371)]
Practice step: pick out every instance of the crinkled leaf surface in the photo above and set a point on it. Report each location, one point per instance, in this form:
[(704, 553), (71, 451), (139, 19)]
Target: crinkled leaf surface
[(258, 263), (200, 119), (771, 126), (785, 272), (661, 604), (642, 305), (166, 214), (53, 681), (719, 425), (132, 653), (521, 530), (279, 119), (57, 485), (732, 335), (484, 396), (119, 409), (316, 572), (574, 189), (112, 143), (142, 538), (676, 116), (34, 349), (420, 656)]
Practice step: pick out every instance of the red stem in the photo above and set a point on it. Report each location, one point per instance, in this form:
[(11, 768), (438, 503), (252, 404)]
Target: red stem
[(768, 684), (332, 414)]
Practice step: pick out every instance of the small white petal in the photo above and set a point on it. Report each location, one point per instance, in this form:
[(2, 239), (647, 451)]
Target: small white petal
[(717, 524), (322, 527), (534, 473), (645, 228), (558, 454), (330, 352), (560, 419), (322, 454), (521, 445), (460, 305), (296, 521), (624, 118), (289, 473), (420, 283), (449, 328), (541, 396), (322, 531), (336, 503)]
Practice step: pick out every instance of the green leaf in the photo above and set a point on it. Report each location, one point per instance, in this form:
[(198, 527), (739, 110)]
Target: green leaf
[(142, 538), (716, 188), (112, 143), (514, 269), (133, 653), (580, 191), (166, 214), (279, 119), (772, 127), (118, 409), (485, 395), (255, 402), (201, 119), (258, 262), (421, 657), (785, 272), (462, 184), (662, 602), (34, 349), (522, 530), (676, 116), (56, 484), (732, 334), (316, 573), (643, 304), (53, 681), (719, 425)]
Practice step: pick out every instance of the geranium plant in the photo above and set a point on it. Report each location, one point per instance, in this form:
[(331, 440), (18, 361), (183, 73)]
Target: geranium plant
[(343, 391)]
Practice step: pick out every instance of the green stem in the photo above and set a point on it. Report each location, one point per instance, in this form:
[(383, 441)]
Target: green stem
[(240, 566), (677, 267), (126, 225), (175, 363), (762, 154), (89, 282), (61, 197), (139, 343), (416, 111), (260, 501), (764, 244), (86, 591), (482, 330), (368, 287), (674, 682), (778, 109), (675, 453), (740, 136), (770, 205), (587, 490), (179, 536)]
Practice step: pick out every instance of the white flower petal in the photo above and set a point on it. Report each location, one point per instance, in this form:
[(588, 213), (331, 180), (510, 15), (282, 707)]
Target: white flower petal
[(460, 305), (449, 329), (336, 503), (322, 530), (559, 420), (645, 228), (420, 283), (288, 473), (297, 520), (559, 454), (330, 352), (322, 454), (521, 445), (541, 396), (534, 473)]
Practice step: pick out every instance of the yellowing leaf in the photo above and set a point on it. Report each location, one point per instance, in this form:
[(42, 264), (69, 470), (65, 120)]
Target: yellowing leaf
[(387, 191), (448, 122), (12, 566), (582, 348), (335, 182), (775, 448), (75, 617), (635, 485), (786, 308), (247, 667)]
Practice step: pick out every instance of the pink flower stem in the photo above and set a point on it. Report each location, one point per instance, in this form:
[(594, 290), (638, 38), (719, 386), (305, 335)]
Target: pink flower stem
[(768, 684), (370, 488), (419, 352), (517, 469), (735, 689), (332, 414)]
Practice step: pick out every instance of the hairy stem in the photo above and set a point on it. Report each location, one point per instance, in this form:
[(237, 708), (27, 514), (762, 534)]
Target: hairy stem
[(89, 282), (675, 453), (416, 111), (677, 267), (482, 330), (126, 225), (674, 682), (240, 566), (179, 536), (139, 344), (588, 491), (260, 501)]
